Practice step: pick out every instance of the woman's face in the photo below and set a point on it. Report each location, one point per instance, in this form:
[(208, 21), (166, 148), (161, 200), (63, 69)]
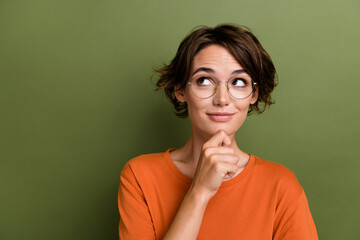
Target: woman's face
[(220, 111)]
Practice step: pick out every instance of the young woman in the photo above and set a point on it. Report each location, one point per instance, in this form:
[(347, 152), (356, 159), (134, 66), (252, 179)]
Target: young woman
[(210, 188)]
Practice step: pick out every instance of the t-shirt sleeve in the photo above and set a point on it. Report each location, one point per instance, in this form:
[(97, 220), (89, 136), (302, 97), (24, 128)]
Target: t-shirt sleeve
[(293, 217), (135, 219)]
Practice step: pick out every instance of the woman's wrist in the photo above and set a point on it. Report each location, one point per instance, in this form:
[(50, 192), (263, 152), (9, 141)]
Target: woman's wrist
[(198, 195)]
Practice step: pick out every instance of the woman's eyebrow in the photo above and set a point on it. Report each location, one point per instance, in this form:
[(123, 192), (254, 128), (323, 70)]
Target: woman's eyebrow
[(203, 69), (238, 71)]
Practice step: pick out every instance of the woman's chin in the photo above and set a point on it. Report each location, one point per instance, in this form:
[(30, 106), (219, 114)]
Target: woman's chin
[(214, 129)]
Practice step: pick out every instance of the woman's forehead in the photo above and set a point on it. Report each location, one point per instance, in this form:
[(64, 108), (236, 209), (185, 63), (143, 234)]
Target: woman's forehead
[(215, 58)]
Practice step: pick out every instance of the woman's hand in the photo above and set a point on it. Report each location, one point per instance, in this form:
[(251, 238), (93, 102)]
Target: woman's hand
[(217, 163)]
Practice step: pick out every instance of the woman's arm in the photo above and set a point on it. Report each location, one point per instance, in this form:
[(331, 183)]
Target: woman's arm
[(217, 162), (135, 220)]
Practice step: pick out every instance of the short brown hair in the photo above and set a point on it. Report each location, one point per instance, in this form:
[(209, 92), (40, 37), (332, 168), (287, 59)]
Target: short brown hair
[(241, 44)]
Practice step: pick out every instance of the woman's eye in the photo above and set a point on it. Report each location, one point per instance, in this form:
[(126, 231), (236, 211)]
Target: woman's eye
[(238, 82), (203, 81)]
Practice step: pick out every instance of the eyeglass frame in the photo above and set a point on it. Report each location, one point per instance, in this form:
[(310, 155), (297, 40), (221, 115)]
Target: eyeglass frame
[(253, 83)]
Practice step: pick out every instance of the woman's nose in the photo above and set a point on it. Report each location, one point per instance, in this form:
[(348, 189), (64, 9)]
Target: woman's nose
[(222, 95)]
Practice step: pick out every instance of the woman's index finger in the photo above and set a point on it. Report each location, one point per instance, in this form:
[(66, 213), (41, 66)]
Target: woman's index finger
[(218, 139), (226, 141)]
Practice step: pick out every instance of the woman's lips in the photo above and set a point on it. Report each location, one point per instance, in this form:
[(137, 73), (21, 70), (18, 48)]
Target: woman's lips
[(220, 117)]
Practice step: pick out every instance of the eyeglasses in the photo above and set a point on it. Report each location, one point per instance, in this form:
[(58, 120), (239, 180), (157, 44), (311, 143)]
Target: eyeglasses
[(239, 87)]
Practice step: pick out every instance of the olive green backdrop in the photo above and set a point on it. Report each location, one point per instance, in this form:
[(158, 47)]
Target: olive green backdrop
[(76, 103)]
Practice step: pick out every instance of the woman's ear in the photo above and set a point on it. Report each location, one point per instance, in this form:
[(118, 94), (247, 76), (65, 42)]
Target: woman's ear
[(180, 93), (255, 95)]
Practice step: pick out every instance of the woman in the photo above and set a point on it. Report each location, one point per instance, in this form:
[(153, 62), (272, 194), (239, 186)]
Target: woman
[(210, 188)]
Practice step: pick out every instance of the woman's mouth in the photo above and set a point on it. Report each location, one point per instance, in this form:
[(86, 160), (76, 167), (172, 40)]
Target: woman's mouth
[(220, 116)]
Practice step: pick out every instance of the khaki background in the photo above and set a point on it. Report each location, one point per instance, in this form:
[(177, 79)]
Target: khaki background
[(76, 103)]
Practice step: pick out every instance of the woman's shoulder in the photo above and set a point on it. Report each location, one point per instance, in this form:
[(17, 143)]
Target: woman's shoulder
[(276, 172), (271, 167), (145, 163), (148, 158)]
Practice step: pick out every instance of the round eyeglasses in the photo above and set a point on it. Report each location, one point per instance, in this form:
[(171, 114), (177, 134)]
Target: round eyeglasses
[(240, 87)]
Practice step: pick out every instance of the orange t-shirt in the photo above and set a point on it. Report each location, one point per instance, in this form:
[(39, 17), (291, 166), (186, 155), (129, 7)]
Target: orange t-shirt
[(264, 201)]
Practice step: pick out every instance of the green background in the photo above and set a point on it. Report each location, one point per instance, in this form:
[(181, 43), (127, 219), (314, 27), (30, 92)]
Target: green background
[(77, 102)]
